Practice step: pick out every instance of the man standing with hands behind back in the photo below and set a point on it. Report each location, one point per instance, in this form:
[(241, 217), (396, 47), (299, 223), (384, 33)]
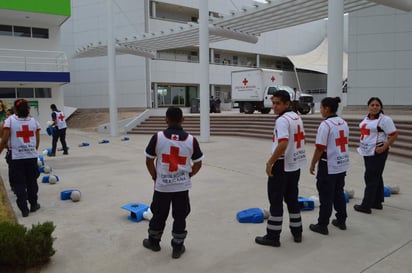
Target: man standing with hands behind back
[(173, 157), (283, 170)]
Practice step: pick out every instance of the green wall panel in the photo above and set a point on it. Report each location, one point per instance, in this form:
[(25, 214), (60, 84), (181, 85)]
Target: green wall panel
[(58, 7)]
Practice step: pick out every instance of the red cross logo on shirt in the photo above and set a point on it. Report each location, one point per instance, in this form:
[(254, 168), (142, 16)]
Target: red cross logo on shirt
[(61, 117), (298, 137), (173, 159), (364, 132), (341, 141), (245, 81), (26, 134), (273, 78)]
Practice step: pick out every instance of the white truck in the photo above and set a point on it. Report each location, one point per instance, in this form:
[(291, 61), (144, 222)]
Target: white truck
[(252, 90)]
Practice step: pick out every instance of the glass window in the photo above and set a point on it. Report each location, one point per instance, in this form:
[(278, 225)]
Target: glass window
[(25, 93), (22, 31), (42, 92), (272, 90), (40, 33), (7, 92), (6, 30)]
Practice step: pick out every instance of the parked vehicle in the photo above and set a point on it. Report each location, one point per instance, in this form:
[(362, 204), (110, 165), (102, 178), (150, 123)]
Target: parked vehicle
[(252, 90)]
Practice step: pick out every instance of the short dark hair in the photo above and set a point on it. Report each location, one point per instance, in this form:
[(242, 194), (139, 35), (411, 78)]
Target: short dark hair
[(283, 95), (174, 114), (53, 107), (331, 103)]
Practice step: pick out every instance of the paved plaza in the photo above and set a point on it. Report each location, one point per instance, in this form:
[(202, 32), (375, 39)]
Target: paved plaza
[(94, 235)]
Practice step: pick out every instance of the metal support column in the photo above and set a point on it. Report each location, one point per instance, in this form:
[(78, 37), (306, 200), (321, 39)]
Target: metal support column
[(335, 49), (111, 57), (204, 70)]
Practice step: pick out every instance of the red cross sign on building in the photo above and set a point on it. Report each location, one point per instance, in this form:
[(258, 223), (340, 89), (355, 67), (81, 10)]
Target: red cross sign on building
[(26, 134), (341, 141), (273, 78), (61, 117), (245, 81), (298, 137), (364, 132), (173, 159)]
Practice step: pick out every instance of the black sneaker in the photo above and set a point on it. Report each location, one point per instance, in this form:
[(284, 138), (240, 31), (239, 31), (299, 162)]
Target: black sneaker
[(51, 155), (319, 229), (362, 209), (297, 239), (25, 213), (263, 240), (35, 207), (377, 206), (152, 246), (178, 251), (339, 225)]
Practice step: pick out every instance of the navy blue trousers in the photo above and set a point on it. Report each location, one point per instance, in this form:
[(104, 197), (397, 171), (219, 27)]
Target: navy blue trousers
[(374, 166), (283, 186), (331, 194), (160, 208), (24, 174)]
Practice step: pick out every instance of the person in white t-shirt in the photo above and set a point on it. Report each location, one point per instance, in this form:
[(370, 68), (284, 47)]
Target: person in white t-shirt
[(21, 134), (332, 157), (172, 157), (378, 133), (283, 171), (60, 125)]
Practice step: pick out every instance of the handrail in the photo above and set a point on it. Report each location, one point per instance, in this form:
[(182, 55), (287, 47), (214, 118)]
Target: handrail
[(33, 60)]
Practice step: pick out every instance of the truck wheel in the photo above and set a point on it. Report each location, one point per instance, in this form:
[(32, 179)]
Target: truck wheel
[(248, 107), (241, 108), (304, 110), (265, 110)]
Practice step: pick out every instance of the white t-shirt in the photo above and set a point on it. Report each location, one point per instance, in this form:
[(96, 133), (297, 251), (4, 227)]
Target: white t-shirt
[(333, 135), (374, 132), (60, 120), (173, 163), (289, 127), (22, 140)]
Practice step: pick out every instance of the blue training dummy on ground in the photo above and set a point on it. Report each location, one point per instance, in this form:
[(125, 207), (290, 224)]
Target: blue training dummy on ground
[(386, 192), (252, 215), (306, 203), (136, 211)]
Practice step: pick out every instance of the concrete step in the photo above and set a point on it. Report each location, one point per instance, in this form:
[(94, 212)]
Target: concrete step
[(262, 127)]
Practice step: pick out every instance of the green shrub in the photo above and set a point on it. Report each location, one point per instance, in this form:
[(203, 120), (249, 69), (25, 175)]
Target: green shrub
[(22, 247)]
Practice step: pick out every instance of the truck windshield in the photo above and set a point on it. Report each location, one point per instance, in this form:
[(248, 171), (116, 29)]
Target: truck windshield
[(272, 90)]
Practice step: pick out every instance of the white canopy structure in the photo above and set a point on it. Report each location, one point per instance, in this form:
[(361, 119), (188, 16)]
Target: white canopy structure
[(317, 59), (246, 25)]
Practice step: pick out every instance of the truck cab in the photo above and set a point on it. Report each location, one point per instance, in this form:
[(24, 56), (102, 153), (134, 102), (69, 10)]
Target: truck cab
[(305, 100)]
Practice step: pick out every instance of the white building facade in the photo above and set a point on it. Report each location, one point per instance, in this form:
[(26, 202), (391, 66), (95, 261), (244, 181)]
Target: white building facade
[(172, 77), (32, 63), (174, 73), (380, 56)]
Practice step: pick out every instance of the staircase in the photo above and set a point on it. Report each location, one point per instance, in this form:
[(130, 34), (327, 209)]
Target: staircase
[(261, 126)]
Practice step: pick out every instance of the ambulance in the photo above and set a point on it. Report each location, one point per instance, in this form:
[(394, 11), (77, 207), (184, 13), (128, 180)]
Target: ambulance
[(252, 90)]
